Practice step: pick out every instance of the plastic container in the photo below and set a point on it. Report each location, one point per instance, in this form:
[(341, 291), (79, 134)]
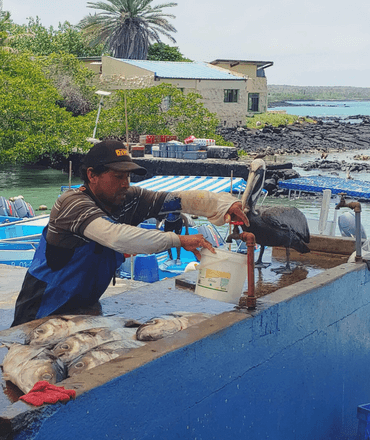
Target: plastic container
[(221, 275), (193, 147), (155, 151), (146, 268), (192, 155), (138, 151)]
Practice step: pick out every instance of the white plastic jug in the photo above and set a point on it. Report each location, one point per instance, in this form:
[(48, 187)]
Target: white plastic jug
[(221, 275)]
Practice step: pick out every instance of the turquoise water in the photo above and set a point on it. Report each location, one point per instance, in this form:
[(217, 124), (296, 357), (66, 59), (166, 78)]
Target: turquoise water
[(327, 108), (41, 186)]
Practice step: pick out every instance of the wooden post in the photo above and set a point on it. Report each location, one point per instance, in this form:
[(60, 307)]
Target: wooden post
[(127, 144), (70, 174)]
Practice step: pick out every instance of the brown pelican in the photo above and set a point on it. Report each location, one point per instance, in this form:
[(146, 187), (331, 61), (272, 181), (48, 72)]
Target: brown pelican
[(275, 225)]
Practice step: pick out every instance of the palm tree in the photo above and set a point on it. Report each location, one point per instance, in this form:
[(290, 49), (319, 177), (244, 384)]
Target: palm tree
[(127, 27)]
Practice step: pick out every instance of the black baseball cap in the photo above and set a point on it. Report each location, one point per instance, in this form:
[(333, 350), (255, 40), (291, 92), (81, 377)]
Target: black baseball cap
[(113, 155)]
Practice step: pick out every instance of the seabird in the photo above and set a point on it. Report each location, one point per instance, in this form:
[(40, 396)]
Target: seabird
[(275, 225)]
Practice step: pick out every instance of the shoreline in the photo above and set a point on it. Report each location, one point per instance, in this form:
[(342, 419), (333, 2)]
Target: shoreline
[(335, 134)]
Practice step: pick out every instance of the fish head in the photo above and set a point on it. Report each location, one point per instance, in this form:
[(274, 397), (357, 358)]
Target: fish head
[(49, 369), (158, 328), (91, 359), (46, 331)]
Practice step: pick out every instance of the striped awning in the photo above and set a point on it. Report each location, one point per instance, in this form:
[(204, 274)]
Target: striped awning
[(182, 183)]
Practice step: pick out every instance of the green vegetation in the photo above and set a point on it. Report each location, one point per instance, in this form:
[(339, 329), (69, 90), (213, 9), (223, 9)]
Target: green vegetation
[(164, 52), (31, 123), (162, 109), (126, 28), (48, 104), (311, 93), (274, 119), (35, 38)]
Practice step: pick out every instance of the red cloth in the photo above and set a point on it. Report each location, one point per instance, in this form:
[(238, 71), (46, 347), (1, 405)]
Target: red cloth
[(43, 392)]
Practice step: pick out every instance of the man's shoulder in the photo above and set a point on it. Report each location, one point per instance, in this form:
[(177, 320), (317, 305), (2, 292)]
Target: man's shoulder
[(74, 195)]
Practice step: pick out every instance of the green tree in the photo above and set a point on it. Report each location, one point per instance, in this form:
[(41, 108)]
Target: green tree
[(164, 52), (31, 124), (72, 80), (39, 40), (162, 109), (127, 27)]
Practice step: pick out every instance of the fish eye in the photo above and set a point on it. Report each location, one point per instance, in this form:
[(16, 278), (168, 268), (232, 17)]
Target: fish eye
[(47, 376), (65, 346), (39, 331), (79, 365)]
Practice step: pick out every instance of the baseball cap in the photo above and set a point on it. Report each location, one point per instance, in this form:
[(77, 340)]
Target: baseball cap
[(114, 155)]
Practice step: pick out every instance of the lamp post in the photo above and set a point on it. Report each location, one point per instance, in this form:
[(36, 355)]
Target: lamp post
[(102, 93)]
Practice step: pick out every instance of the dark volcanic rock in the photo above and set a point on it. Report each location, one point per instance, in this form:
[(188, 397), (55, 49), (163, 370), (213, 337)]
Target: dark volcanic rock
[(332, 135)]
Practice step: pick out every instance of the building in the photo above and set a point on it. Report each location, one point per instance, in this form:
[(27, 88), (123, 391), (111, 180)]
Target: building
[(256, 84), (231, 89)]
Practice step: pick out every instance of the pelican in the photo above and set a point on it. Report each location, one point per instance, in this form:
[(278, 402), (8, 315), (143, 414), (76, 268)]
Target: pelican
[(275, 225)]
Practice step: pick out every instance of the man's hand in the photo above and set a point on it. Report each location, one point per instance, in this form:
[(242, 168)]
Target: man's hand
[(235, 214), (193, 242)]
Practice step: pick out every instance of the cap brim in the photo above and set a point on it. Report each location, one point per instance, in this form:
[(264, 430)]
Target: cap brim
[(130, 167)]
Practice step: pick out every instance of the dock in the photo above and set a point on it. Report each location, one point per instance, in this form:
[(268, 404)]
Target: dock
[(295, 367), (353, 188)]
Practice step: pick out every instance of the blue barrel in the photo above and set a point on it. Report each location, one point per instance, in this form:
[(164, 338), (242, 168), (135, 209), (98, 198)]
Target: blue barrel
[(146, 268)]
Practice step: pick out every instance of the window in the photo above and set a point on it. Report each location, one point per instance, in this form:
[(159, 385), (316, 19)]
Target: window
[(231, 95), (253, 102)]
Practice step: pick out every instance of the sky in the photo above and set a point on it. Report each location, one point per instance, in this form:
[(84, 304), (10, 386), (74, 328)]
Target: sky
[(311, 43)]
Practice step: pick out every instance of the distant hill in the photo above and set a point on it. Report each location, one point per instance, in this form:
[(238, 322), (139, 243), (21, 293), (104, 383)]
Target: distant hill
[(307, 93)]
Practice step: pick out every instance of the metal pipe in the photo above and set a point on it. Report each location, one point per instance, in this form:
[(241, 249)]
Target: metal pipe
[(250, 240)]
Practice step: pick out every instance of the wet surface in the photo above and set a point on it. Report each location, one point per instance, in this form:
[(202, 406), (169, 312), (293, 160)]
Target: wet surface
[(143, 301), (303, 266)]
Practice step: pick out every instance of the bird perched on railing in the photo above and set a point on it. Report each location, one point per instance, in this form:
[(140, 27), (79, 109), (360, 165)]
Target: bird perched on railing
[(276, 225)]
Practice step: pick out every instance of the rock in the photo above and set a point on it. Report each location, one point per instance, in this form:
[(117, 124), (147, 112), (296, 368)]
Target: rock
[(42, 208)]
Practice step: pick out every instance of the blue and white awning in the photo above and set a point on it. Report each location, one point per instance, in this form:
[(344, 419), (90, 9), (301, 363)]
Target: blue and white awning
[(182, 183)]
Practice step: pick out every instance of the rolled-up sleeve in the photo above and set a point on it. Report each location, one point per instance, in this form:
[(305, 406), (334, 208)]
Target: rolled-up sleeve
[(204, 203), (130, 239)]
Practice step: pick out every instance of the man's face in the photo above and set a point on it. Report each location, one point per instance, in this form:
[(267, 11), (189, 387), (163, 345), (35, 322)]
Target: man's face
[(110, 187)]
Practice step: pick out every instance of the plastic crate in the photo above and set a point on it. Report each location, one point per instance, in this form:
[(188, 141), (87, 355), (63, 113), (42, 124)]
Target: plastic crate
[(193, 147), (195, 155), (179, 154), (172, 154), (155, 151), (163, 154)]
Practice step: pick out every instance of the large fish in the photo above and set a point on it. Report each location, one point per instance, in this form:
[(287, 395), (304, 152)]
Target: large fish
[(98, 356), (24, 365), (79, 343), (57, 328), (167, 325)]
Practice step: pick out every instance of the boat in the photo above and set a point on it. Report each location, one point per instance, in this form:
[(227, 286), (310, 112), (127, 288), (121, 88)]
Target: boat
[(19, 239)]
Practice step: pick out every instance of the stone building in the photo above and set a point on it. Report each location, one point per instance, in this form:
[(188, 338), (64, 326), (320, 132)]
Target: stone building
[(256, 84), (230, 90)]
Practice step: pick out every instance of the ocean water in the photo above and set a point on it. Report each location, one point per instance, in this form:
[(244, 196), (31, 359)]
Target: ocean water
[(41, 186), (340, 109)]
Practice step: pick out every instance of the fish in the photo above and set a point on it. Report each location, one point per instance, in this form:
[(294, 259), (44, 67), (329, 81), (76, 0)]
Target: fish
[(97, 356), (60, 327), (24, 365), (79, 343), (167, 325)]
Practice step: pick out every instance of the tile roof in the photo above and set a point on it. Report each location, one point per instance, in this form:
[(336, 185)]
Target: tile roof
[(183, 70)]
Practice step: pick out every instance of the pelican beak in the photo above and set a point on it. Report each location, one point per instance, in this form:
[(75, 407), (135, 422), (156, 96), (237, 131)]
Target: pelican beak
[(255, 182)]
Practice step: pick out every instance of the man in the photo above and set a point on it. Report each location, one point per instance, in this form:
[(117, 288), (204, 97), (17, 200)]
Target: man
[(90, 229)]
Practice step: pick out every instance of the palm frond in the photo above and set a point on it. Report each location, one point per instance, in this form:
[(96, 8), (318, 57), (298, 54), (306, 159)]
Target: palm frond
[(127, 27)]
